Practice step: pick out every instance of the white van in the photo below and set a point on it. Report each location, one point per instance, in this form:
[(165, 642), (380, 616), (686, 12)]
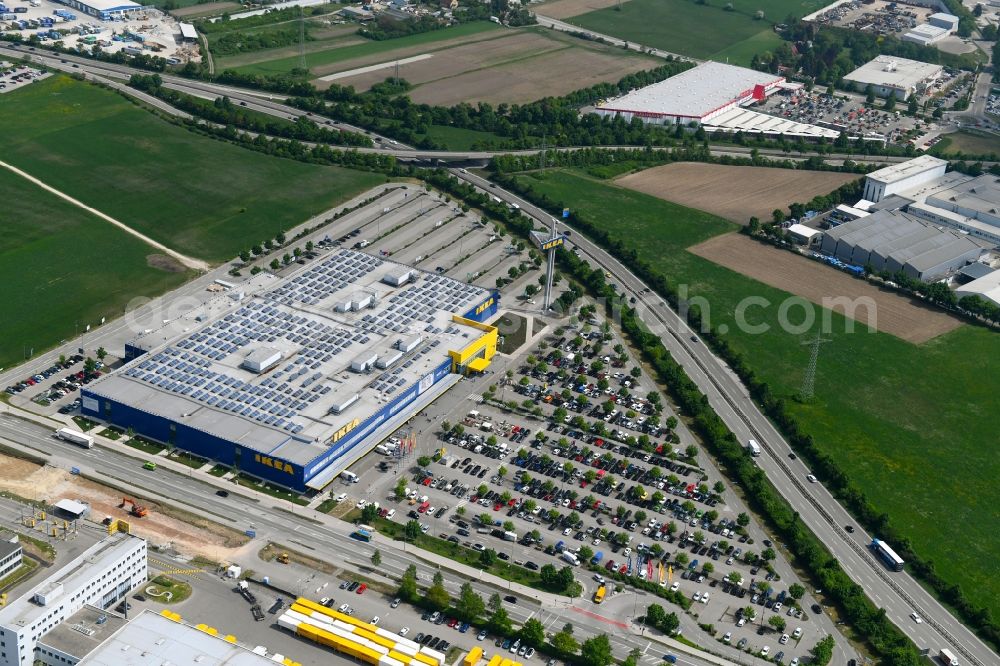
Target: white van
[(754, 447)]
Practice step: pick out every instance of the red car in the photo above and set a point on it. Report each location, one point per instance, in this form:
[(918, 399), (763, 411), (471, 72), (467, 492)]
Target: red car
[(362, 588), (452, 623)]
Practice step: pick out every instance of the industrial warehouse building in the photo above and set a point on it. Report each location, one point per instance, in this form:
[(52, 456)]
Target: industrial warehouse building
[(895, 241), (921, 187), (103, 9), (102, 575), (986, 287), (889, 75), (711, 94), (293, 379)]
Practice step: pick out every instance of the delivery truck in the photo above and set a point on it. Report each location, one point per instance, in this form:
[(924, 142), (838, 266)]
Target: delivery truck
[(75, 437)]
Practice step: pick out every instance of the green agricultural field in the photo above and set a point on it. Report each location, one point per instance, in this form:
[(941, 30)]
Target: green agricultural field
[(968, 142), (701, 31), (199, 196), (318, 56), (62, 268), (459, 138), (910, 424)]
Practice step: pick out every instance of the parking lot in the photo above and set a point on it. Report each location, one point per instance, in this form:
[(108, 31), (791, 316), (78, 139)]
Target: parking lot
[(847, 112), (13, 77), (602, 481)]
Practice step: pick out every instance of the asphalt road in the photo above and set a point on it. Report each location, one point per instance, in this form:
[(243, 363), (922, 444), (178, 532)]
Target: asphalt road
[(898, 593)]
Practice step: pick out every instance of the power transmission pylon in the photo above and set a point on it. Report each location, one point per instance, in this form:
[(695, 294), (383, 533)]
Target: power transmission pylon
[(809, 381)]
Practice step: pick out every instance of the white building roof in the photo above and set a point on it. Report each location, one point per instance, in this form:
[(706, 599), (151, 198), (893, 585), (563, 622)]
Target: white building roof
[(110, 5), (986, 287), (894, 72), (153, 640), (739, 119), (942, 16), (926, 32), (72, 506), (188, 31), (803, 231), (693, 93), (903, 170)]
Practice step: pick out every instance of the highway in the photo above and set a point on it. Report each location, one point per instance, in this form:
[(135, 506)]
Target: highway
[(319, 535), (898, 593)]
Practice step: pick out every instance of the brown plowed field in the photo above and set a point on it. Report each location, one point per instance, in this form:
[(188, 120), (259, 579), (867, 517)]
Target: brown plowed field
[(560, 9), (736, 193), (903, 317), (517, 67)]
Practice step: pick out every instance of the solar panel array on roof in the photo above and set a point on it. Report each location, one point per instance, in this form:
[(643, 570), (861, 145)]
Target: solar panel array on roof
[(325, 278), (419, 303)]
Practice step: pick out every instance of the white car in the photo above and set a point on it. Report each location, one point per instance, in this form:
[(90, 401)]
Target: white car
[(361, 503), (811, 478), (567, 531), (728, 637), (794, 662), (916, 618), (343, 608), (764, 651), (341, 497), (704, 598), (375, 620), (392, 512), (741, 622), (697, 596), (599, 578), (797, 633), (676, 586), (596, 542), (404, 631), (783, 639), (626, 552), (777, 606)]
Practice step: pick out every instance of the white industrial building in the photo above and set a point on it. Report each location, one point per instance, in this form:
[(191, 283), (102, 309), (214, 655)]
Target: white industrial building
[(943, 20), (101, 576), (986, 288), (903, 176), (889, 75), (95, 638), (714, 95), (894, 241), (922, 188), (11, 554), (925, 34)]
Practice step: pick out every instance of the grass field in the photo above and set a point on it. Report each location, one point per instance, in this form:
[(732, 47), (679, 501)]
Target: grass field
[(701, 31), (908, 423), (62, 268), (320, 57), (199, 196), (969, 142)]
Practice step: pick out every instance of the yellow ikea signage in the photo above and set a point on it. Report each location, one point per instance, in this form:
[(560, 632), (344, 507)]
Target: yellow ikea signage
[(485, 305), (274, 463), (555, 242), (339, 435)]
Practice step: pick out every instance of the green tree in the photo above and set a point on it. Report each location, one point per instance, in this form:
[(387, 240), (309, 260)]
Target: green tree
[(494, 603), (408, 584), (437, 596), (470, 606), (777, 622), (533, 633), (499, 622), (369, 513), (411, 530), (376, 558), (870, 94), (424, 461), (795, 591), (102, 353), (822, 653), (749, 613), (487, 558), (245, 256), (399, 492), (596, 651), (742, 519), (565, 644)]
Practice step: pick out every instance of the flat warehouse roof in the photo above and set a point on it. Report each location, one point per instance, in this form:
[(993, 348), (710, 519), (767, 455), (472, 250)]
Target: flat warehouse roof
[(320, 319), (893, 71), (896, 172), (110, 5), (694, 92)]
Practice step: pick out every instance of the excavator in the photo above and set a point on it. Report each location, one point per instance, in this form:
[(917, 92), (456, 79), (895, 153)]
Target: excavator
[(132, 508)]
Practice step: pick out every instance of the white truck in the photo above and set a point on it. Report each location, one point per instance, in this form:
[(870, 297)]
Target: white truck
[(753, 447), (75, 437), (947, 658)]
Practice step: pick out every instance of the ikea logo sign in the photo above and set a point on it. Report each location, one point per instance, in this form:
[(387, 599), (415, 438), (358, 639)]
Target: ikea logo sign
[(340, 434), (555, 242), (274, 463), (484, 306)]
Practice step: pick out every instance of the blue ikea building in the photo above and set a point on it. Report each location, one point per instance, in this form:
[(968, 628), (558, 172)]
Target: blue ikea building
[(301, 376)]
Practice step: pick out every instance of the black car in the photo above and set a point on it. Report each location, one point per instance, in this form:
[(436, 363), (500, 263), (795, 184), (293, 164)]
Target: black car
[(222, 493), (510, 598), (816, 608), (849, 528), (353, 586)]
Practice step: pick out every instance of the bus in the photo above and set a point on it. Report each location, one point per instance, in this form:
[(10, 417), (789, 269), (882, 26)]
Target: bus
[(363, 533), (887, 554)]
